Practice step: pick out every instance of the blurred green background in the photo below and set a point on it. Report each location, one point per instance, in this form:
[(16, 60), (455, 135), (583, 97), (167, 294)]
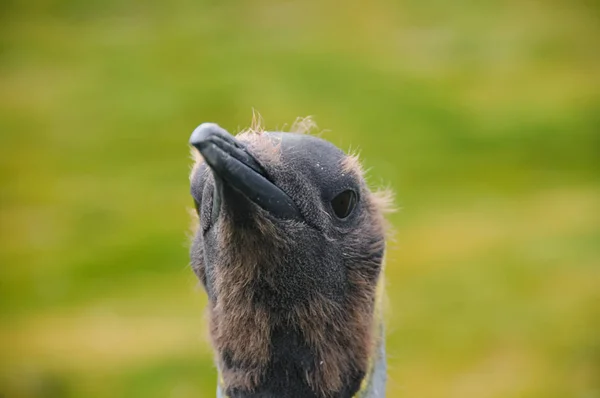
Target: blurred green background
[(484, 117)]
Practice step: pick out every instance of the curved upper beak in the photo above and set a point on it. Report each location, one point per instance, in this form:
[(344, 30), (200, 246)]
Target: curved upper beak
[(232, 165)]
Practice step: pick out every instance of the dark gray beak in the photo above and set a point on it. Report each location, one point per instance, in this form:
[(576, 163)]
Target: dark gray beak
[(233, 166)]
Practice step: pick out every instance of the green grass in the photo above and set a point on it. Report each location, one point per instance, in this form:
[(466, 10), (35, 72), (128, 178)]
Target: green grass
[(483, 117)]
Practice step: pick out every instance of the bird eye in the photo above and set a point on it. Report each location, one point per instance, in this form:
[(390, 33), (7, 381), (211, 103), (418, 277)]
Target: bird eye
[(344, 203)]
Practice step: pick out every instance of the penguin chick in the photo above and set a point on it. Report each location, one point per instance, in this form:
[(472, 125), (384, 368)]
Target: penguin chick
[(289, 249)]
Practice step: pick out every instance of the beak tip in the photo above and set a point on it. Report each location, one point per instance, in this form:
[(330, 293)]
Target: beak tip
[(203, 132)]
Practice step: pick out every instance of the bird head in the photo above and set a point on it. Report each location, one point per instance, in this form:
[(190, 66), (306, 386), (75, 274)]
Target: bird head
[(289, 248)]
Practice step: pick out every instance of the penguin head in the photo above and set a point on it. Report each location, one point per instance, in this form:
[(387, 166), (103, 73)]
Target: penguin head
[(290, 240)]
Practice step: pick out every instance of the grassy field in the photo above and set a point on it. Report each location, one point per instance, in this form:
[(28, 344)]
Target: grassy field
[(484, 117)]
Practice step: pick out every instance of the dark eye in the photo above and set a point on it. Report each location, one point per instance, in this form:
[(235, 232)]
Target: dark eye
[(344, 203)]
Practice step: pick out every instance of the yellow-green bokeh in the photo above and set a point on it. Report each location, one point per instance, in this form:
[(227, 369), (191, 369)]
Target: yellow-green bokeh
[(484, 117)]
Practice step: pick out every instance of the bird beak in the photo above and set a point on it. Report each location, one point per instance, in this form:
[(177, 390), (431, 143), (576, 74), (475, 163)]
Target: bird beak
[(233, 166)]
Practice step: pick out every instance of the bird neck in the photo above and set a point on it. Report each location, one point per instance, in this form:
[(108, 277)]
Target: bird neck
[(286, 343), (291, 359)]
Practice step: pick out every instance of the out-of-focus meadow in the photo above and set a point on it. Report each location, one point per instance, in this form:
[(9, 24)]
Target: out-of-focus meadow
[(483, 116)]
